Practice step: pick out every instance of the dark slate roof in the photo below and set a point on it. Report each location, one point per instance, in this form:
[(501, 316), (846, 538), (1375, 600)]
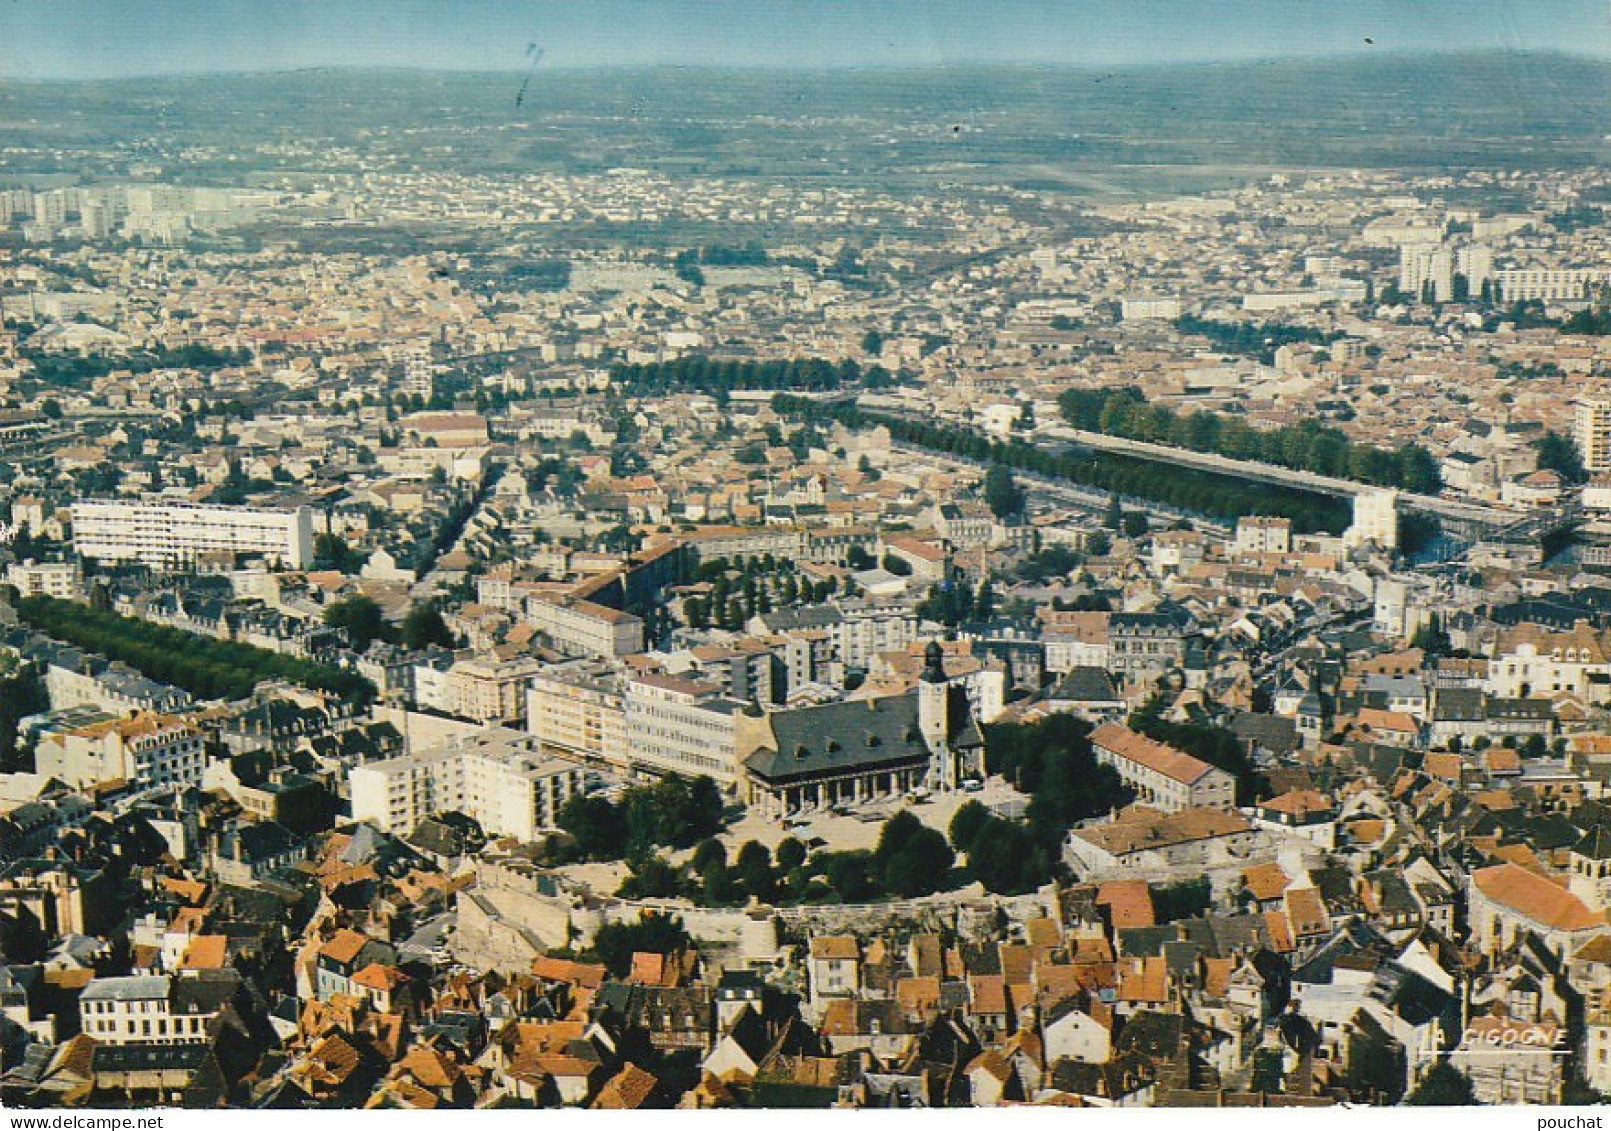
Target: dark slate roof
[(1595, 844), (855, 735), (1458, 705), (981, 958), (1538, 709), (261, 840), (1354, 938), (1549, 831), (1273, 732), (808, 616), (1085, 685), (954, 995), (203, 991), (1144, 942), (1181, 957), (1395, 891), (1412, 997), (1220, 936), (1171, 620), (449, 834)]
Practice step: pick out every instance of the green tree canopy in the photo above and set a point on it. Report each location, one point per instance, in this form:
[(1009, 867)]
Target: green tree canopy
[(424, 627), (969, 818), (616, 943), (1444, 1085), (791, 853), (1559, 454), (1001, 492), (360, 617)]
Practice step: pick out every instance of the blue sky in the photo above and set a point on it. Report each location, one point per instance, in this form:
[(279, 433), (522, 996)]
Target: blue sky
[(56, 39)]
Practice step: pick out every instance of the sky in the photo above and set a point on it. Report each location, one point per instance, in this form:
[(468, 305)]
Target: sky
[(96, 39)]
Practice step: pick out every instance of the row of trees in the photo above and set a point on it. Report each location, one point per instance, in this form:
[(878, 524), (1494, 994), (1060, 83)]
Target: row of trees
[(540, 275), (1200, 492), (700, 374), (688, 263), (1306, 446), (1592, 321), (753, 588), (72, 370), (709, 878), (954, 603), (205, 667)]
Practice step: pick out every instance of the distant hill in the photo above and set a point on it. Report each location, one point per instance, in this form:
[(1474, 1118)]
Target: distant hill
[(1408, 111)]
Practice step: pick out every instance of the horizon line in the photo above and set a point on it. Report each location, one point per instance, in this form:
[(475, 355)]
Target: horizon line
[(1342, 55)]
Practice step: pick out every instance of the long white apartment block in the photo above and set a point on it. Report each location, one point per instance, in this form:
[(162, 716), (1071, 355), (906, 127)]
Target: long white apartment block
[(171, 535)]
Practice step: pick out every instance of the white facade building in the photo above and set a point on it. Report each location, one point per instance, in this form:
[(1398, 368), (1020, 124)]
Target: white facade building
[(46, 579), (584, 628), (145, 749), (499, 777), (171, 535), (1375, 520), (681, 726), (578, 710), (155, 1010)]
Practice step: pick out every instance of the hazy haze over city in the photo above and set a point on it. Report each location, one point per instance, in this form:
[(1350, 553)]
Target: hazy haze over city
[(116, 38)]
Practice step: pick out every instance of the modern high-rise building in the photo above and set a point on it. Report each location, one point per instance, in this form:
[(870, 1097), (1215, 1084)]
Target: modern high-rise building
[(1591, 428), (1439, 266), (171, 535)]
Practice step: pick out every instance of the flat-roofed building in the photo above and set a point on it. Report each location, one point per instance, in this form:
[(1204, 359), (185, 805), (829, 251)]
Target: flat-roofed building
[(1591, 428), (578, 710), (681, 726), (499, 777), (169, 535), (46, 579), (1262, 534)]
